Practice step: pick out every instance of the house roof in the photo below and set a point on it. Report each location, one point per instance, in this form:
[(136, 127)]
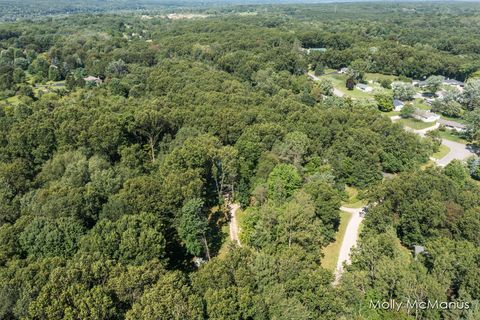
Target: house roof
[(453, 124), (453, 82), (424, 113)]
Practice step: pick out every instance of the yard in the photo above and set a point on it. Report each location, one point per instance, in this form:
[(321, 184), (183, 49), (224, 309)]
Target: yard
[(452, 136), (353, 200), (49, 86), (415, 124), (378, 77), (13, 100), (420, 104), (442, 152), (330, 252), (339, 80)]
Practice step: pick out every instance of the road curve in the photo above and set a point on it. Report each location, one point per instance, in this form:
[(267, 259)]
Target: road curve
[(458, 151)]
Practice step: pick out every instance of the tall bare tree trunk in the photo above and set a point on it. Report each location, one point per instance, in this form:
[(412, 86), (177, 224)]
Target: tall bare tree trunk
[(152, 148), (207, 250)]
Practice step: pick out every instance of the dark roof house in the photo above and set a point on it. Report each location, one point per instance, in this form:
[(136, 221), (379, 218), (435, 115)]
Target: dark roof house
[(453, 82), (457, 126)]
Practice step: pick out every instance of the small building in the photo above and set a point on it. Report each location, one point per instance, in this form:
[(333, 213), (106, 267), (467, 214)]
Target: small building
[(343, 70), (398, 104), (453, 125), (92, 79), (364, 87), (425, 116)]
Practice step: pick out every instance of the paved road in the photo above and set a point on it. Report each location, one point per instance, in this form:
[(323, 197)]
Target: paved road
[(349, 241), (458, 151)]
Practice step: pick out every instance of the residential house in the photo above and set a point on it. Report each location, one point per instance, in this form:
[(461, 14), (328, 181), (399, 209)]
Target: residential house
[(425, 116), (453, 125)]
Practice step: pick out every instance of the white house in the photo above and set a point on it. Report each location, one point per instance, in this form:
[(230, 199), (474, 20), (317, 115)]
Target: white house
[(343, 70), (364, 87), (398, 105), (425, 116)]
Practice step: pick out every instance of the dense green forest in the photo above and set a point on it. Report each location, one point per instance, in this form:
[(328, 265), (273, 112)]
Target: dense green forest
[(124, 138)]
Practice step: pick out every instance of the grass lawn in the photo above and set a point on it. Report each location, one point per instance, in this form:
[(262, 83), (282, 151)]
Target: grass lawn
[(391, 113), (442, 152), (338, 81), (379, 76), (416, 124), (353, 200), (418, 103), (13, 100), (329, 260), (452, 136)]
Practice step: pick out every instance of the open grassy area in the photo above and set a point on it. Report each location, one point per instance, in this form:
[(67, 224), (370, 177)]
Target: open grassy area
[(353, 201), (13, 100), (420, 104), (329, 260), (452, 136), (442, 152), (379, 77), (339, 80), (416, 124), (328, 70), (391, 113)]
